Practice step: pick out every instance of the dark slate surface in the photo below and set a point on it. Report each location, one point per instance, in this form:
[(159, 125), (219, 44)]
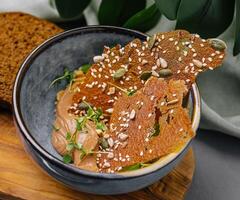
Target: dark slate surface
[(217, 174)]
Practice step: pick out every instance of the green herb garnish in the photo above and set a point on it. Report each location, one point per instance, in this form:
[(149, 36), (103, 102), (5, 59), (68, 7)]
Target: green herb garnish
[(68, 136), (156, 130), (127, 92), (68, 76), (70, 147), (131, 92), (85, 68), (67, 158)]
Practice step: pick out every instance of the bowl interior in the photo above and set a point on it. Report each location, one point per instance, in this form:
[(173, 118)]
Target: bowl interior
[(70, 50), (67, 51)]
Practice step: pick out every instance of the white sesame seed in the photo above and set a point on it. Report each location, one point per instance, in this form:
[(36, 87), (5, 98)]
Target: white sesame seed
[(141, 153), (210, 59), (110, 142), (98, 59), (122, 137), (170, 39), (110, 110), (185, 53), (132, 114), (139, 127), (198, 63), (221, 56)]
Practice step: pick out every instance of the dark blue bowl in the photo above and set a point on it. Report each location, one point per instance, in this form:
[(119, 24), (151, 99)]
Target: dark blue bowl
[(33, 106)]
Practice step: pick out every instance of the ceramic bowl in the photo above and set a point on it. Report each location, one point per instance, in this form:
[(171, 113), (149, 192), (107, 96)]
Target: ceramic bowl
[(33, 106)]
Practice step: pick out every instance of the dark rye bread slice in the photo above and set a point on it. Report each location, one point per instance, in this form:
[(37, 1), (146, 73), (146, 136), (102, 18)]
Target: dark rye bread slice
[(130, 134), (184, 54), (20, 34)]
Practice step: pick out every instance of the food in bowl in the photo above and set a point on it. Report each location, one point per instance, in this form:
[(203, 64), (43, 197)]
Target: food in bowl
[(126, 111)]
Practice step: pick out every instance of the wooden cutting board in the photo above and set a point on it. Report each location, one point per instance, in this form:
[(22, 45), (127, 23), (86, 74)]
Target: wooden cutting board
[(20, 178)]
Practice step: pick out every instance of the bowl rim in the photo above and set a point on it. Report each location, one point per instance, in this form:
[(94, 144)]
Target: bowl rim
[(25, 133)]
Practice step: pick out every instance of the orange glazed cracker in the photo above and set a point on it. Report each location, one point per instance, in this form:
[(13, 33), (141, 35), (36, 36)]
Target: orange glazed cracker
[(176, 55), (134, 118)]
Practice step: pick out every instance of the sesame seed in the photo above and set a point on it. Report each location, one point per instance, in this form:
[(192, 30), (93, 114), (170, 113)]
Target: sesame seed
[(210, 59), (170, 39), (98, 59), (106, 165), (139, 127), (198, 63), (152, 98), (110, 155), (195, 54), (150, 150), (221, 56), (163, 63), (141, 153), (213, 54), (132, 114), (110, 110), (178, 71), (144, 61), (154, 67), (110, 142), (122, 137), (180, 59)]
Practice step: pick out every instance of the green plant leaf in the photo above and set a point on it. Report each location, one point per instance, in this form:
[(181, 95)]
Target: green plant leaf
[(145, 19), (168, 8), (132, 167), (209, 18), (236, 48), (71, 8), (67, 158), (117, 12), (85, 68)]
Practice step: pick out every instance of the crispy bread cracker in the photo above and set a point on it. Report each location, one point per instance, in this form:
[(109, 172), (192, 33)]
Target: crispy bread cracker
[(184, 54), (140, 146)]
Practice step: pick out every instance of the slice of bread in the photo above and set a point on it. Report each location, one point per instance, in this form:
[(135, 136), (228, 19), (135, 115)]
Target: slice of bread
[(20, 34)]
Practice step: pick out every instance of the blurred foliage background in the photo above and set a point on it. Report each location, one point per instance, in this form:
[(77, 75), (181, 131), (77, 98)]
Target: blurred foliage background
[(209, 18)]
